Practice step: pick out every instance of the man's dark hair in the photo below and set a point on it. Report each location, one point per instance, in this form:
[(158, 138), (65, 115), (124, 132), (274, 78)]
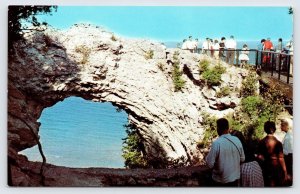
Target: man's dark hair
[(222, 125), (269, 127), (223, 38), (263, 40), (280, 39)]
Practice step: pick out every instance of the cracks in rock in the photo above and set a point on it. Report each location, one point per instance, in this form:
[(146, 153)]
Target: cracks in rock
[(39, 147), (186, 151), (189, 74)]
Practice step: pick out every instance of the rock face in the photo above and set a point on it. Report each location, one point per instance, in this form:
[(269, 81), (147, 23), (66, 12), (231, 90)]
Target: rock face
[(89, 62)]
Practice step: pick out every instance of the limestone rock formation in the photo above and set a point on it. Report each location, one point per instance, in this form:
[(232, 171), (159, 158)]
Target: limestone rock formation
[(85, 61)]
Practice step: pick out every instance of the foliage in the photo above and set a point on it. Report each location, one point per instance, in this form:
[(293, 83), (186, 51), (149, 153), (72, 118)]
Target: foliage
[(113, 38), (149, 54), (203, 65), (255, 111), (224, 91), (212, 76), (85, 51), (177, 74), (249, 85), (209, 124), (19, 15), (133, 149), (291, 11), (161, 66)]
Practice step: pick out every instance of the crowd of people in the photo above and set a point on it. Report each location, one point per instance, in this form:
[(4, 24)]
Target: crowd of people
[(225, 49), (267, 45), (235, 163)]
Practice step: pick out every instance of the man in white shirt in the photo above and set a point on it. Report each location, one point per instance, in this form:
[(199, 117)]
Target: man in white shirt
[(195, 45), (190, 44), (230, 45), (184, 45), (225, 156), (287, 147), (205, 46)]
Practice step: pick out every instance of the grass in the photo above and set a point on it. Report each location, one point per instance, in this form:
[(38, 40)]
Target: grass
[(85, 51)]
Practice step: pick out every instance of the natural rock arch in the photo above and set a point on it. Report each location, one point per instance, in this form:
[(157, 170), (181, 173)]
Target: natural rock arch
[(49, 67)]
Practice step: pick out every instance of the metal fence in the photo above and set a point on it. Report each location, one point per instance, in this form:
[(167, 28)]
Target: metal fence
[(277, 64)]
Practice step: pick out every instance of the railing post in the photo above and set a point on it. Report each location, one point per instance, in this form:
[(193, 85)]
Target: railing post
[(288, 68), (256, 59), (237, 57), (261, 59), (279, 68), (272, 58)]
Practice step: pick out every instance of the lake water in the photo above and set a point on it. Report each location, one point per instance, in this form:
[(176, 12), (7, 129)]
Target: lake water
[(81, 133)]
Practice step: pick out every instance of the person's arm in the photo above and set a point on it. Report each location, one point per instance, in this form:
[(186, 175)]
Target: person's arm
[(281, 161), (212, 155)]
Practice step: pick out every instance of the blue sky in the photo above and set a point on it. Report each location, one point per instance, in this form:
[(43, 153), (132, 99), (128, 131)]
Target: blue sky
[(176, 23)]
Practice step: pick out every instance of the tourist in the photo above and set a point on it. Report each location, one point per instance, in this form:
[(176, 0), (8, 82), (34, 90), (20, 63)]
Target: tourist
[(195, 45), (211, 47), (290, 47), (190, 44), (225, 156), (288, 149), (279, 49), (222, 47), (216, 48), (244, 58), (251, 173), (184, 44), (230, 46), (205, 46), (270, 154), (268, 46)]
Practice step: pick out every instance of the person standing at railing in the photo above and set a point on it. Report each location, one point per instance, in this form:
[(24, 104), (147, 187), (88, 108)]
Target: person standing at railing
[(290, 47), (184, 44), (222, 47), (195, 45), (190, 44), (244, 58), (211, 47), (216, 48), (279, 49), (230, 45), (205, 46), (268, 46)]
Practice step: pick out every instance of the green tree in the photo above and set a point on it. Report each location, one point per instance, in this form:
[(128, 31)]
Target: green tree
[(133, 149), (19, 15), (291, 11)]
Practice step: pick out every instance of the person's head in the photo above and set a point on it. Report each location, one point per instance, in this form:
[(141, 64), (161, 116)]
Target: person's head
[(223, 38), (249, 155), (232, 37), (216, 41), (284, 125), (269, 127), (207, 39), (222, 126), (190, 37), (280, 40), (184, 40), (245, 46), (196, 40), (263, 40), (211, 40)]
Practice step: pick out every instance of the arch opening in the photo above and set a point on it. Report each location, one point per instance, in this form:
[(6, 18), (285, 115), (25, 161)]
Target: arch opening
[(81, 133)]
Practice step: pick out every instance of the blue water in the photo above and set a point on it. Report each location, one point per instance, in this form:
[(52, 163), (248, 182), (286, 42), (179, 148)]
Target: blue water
[(81, 133)]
